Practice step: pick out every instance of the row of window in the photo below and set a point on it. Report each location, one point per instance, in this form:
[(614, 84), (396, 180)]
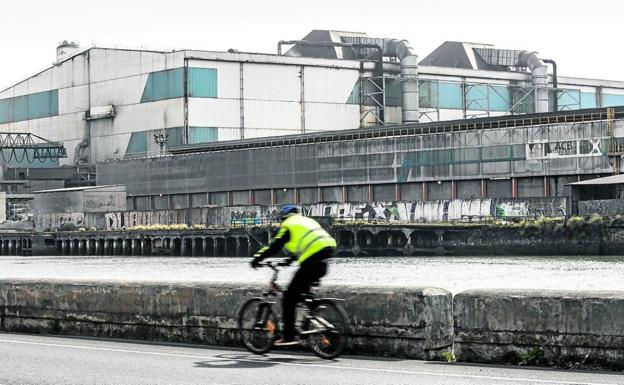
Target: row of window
[(169, 84), (26, 107), (485, 97)]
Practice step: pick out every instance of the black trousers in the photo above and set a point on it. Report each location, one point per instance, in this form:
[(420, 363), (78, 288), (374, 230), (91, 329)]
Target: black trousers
[(311, 270)]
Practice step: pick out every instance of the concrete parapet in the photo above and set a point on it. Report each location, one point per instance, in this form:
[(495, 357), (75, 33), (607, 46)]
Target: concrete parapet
[(540, 327), (385, 321)]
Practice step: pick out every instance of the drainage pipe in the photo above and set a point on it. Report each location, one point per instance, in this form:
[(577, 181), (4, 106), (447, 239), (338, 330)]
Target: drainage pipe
[(554, 82)]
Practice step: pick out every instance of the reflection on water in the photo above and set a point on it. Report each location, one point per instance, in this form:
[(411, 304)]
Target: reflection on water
[(453, 273)]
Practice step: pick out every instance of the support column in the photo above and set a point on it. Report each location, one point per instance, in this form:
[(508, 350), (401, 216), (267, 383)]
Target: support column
[(343, 193), (2, 250), (144, 247), (71, 247), (182, 246), (296, 195), (18, 247), (425, 193), (133, 248), (483, 188), (546, 187), (97, 247), (453, 189), (319, 194), (370, 193), (397, 192), (514, 187)]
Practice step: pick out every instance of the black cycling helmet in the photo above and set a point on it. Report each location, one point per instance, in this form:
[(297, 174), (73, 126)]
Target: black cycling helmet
[(287, 210)]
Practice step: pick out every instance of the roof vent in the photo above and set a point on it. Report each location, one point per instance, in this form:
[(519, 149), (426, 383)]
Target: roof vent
[(65, 50)]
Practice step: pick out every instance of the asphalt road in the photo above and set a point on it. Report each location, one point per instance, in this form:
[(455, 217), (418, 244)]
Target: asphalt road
[(33, 359)]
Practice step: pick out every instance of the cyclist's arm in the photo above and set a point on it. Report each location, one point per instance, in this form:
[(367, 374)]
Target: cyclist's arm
[(276, 244)]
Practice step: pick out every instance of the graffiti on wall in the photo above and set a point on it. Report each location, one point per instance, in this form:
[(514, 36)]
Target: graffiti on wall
[(59, 221), (402, 211)]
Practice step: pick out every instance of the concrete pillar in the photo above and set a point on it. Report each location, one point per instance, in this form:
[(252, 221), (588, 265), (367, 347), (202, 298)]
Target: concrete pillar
[(546, 187), (71, 247), (144, 250), (453, 189), (133, 248), (18, 246), (238, 248), (319, 194), (483, 188), (397, 192), (250, 199), (425, 193), (370, 193), (2, 249), (514, 187), (183, 246), (88, 247)]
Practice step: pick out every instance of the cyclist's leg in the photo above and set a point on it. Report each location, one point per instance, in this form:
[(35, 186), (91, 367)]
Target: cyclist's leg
[(309, 272)]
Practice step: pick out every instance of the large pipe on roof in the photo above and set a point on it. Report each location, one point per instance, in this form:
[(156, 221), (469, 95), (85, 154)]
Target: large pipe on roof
[(539, 78), (409, 77)]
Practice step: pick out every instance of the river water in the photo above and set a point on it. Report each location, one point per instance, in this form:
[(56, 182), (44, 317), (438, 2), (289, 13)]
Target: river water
[(452, 273)]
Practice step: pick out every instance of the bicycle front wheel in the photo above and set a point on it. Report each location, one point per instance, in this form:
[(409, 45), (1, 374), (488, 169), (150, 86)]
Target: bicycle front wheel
[(257, 325), (328, 329)]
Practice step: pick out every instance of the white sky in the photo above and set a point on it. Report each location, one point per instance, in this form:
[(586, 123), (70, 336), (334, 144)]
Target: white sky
[(582, 36)]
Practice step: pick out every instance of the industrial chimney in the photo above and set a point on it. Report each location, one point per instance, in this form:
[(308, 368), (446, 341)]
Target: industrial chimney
[(66, 50)]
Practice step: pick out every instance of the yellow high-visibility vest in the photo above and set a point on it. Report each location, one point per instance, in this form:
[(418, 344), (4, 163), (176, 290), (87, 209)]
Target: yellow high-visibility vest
[(307, 237)]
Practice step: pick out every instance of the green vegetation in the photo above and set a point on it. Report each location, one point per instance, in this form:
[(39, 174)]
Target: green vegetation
[(448, 357), (533, 357)]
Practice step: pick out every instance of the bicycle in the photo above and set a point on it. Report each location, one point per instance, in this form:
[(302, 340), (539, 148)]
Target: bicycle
[(321, 321)]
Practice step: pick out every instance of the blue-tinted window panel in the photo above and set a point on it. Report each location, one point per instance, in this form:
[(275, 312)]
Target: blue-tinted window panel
[(162, 85), (175, 136), (609, 100), (202, 82), (354, 97), (137, 143), (6, 111), (202, 135), (428, 93), (477, 97), (588, 100), (567, 100), (449, 95), (20, 108), (500, 98), (26, 158), (33, 106)]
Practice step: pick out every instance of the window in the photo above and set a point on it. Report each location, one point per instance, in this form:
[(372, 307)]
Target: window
[(137, 143), (202, 135), (202, 82), (163, 85), (25, 107)]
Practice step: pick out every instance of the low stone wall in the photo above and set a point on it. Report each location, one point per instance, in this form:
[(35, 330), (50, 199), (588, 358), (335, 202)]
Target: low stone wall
[(540, 327), (415, 323)]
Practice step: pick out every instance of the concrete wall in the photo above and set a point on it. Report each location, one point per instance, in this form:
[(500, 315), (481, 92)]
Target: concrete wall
[(532, 327), (540, 327), (391, 212), (55, 208), (421, 212), (604, 207), (414, 323)]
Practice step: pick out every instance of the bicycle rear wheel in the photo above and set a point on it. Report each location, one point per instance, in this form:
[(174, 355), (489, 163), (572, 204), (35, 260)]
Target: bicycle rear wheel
[(257, 325), (331, 323)]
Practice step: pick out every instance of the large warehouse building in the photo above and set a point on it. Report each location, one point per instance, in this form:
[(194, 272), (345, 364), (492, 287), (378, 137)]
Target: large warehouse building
[(108, 103)]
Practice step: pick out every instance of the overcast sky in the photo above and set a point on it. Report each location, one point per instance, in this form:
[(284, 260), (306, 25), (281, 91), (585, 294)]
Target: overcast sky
[(582, 36)]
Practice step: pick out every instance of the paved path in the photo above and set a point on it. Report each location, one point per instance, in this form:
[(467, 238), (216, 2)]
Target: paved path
[(33, 359)]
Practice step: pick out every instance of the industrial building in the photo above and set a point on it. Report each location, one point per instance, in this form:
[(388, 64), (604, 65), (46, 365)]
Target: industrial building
[(334, 117), (109, 103)]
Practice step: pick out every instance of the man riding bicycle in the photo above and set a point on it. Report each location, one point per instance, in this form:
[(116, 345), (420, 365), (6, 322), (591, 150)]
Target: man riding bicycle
[(306, 241)]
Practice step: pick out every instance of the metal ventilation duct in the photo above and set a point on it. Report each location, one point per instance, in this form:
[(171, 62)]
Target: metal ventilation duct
[(515, 58), (401, 50)]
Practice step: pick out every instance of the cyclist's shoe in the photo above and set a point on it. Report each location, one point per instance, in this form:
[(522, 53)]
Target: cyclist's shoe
[(285, 342)]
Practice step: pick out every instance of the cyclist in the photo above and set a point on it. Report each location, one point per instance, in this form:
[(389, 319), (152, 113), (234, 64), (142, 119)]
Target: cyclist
[(305, 240)]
